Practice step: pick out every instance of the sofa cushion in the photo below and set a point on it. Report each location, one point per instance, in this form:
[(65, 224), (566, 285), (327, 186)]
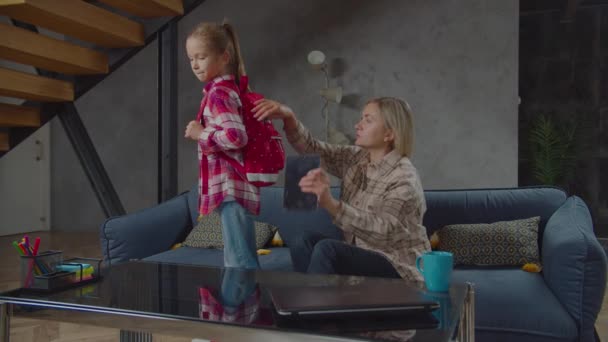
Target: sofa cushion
[(523, 309), (208, 233), (499, 243), (279, 259)]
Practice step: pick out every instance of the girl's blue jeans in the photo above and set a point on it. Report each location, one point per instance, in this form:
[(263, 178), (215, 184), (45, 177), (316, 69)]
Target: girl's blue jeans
[(239, 236)]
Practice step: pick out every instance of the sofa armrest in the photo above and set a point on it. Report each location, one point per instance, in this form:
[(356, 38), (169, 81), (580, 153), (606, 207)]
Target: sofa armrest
[(146, 232), (574, 264)]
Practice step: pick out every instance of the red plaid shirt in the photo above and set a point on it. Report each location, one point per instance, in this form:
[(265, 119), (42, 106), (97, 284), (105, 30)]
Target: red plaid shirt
[(220, 115), (247, 312)]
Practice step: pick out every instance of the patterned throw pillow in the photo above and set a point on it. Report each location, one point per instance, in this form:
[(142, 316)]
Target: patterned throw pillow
[(208, 233), (500, 243)]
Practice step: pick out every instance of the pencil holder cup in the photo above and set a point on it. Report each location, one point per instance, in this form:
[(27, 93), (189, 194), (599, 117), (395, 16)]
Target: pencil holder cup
[(38, 272)]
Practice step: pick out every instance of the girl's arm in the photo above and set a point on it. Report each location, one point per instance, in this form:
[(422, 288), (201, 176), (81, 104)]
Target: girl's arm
[(228, 131)]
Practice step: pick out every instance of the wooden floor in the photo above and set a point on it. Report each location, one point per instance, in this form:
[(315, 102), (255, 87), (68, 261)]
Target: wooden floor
[(32, 330), (87, 245)]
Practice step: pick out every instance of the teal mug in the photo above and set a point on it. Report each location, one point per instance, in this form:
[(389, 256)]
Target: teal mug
[(444, 313), (436, 270)]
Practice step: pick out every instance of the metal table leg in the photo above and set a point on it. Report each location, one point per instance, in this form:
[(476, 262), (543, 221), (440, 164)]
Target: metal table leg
[(466, 325), (6, 310), (470, 327), (135, 336)]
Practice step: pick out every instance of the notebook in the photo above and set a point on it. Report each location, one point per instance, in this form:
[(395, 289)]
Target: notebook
[(376, 298)]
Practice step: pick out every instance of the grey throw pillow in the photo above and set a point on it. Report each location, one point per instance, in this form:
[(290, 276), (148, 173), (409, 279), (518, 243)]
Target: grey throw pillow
[(500, 243), (208, 233)]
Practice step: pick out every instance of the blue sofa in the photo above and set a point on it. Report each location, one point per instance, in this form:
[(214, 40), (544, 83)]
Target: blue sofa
[(559, 304)]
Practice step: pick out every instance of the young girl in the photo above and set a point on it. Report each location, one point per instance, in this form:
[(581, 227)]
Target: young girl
[(382, 202), (215, 59)]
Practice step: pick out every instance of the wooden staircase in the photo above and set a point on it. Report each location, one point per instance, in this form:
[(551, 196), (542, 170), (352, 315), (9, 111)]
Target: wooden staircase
[(100, 26)]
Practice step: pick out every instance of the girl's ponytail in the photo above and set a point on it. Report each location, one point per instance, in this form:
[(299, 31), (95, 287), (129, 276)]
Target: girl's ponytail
[(237, 58)]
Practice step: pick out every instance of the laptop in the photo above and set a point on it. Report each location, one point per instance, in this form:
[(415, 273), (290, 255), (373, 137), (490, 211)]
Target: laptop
[(377, 298)]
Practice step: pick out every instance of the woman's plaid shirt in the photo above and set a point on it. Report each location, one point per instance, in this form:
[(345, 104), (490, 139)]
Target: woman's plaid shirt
[(382, 204)]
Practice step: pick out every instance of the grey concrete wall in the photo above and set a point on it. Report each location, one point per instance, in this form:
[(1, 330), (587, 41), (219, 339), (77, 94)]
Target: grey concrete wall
[(120, 115), (455, 62)]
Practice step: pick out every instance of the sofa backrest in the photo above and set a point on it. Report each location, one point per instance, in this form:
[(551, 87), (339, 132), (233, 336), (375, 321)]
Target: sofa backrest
[(193, 204), (290, 223), (443, 207), (294, 222), (446, 207)]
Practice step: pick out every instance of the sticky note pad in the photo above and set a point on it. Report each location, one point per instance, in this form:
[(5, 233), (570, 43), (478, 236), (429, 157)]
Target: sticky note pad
[(87, 269)]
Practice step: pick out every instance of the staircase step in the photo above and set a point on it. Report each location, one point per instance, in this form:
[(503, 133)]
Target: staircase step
[(32, 87), (77, 19), (148, 8), (19, 116), (26, 47), (4, 146)]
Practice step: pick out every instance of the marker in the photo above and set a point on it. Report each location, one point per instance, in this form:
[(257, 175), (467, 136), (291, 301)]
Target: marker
[(36, 246), (22, 249), (16, 245)]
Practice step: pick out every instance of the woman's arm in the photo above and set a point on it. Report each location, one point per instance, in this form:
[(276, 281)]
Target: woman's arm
[(336, 158), (377, 226)]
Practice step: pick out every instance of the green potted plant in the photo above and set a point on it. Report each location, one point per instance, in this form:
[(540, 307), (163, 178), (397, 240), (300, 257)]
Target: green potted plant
[(553, 150)]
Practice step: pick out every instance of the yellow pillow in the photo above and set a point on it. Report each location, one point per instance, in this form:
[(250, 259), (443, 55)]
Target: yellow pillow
[(276, 241), (434, 240)]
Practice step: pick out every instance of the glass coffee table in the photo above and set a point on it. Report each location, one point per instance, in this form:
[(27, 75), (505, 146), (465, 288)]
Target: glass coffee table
[(143, 298)]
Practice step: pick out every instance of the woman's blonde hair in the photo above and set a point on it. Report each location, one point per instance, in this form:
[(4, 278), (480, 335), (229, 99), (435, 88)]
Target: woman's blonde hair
[(222, 38), (398, 117)]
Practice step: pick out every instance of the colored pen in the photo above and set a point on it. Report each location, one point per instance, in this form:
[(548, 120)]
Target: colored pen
[(36, 245), (26, 239), (27, 252), (16, 245), (22, 249), (40, 265)]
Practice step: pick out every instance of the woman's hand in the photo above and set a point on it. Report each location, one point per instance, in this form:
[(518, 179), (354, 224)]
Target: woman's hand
[(317, 182), (193, 130), (266, 109)]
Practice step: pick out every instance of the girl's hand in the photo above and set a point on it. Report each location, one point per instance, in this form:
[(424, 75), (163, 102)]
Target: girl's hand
[(266, 109), (193, 130), (317, 182)]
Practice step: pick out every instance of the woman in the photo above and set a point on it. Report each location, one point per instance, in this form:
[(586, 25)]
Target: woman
[(382, 202)]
